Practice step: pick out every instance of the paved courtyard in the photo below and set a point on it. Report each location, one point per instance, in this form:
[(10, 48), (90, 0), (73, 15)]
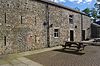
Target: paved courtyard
[(22, 61), (58, 57), (18, 59), (55, 56)]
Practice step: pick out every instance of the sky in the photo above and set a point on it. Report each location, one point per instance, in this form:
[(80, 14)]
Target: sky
[(81, 4)]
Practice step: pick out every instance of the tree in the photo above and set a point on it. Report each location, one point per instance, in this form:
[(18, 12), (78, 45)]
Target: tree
[(97, 6), (91, 12), (94, 12), (87, 11)]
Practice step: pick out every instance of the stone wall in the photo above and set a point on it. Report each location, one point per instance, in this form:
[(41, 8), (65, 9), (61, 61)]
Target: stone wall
[(60, 19), (23, 25), (87, 26), (95, 30)]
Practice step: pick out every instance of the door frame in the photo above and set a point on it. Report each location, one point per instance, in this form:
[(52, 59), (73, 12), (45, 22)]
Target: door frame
[(72, 35), (83, 35)]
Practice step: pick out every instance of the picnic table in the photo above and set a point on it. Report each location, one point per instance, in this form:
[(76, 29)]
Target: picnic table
[(79, 45)]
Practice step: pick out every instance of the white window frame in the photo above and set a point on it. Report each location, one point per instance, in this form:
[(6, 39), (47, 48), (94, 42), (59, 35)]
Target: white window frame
[(55, 33)]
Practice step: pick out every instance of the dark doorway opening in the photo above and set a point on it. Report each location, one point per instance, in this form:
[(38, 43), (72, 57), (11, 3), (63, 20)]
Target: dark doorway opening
[(83, 35), (71, 35)]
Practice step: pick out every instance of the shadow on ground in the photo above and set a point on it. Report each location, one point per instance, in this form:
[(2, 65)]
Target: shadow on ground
[(95, 44), (70, 51)]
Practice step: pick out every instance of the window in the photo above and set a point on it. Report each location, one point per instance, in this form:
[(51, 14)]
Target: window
[(35, 20), (5, 17), (71, 19), (21, 19), (35, 38), (5, 40), (56, 33)]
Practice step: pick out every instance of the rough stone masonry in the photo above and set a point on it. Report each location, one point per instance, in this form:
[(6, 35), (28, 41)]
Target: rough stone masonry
[(34, 24)]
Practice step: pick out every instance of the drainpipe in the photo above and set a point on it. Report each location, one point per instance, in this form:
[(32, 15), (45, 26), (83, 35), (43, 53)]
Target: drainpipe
[(81, 27), (48, 32)]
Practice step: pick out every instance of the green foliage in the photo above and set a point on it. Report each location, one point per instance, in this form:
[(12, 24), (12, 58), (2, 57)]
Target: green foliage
[(91, 12), (94, 13), (87, 11)]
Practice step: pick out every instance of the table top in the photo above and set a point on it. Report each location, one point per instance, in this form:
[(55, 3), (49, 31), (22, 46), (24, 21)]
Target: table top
[(85, 42)]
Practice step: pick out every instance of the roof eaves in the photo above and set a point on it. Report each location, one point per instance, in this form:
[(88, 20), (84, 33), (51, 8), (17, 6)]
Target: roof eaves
[(62, 6), (96, 24)]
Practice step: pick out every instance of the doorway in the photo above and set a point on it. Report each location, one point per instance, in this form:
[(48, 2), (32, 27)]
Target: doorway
[(71, 35), (83, 35)]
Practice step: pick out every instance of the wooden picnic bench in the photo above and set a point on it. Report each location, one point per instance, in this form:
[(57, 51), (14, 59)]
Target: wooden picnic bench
[(79, 45)]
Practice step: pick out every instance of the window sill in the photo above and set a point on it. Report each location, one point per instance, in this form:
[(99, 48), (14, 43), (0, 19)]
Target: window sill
[(56, 37)]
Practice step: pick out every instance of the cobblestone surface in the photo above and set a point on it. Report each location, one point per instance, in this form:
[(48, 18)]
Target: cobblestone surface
[(89, 57)]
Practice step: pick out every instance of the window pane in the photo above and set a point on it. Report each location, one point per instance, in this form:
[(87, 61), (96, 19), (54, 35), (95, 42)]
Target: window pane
[(54, 34), (57, 35), (71, 16), (56, 30), (71, 19)]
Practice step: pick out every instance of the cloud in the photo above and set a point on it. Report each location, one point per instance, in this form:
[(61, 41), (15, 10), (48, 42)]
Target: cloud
[(58, 1), (77, 1), (88, 1), (81, 1)]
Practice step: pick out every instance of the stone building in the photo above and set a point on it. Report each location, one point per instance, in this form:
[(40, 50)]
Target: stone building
[(95, 30), (34, 24)]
